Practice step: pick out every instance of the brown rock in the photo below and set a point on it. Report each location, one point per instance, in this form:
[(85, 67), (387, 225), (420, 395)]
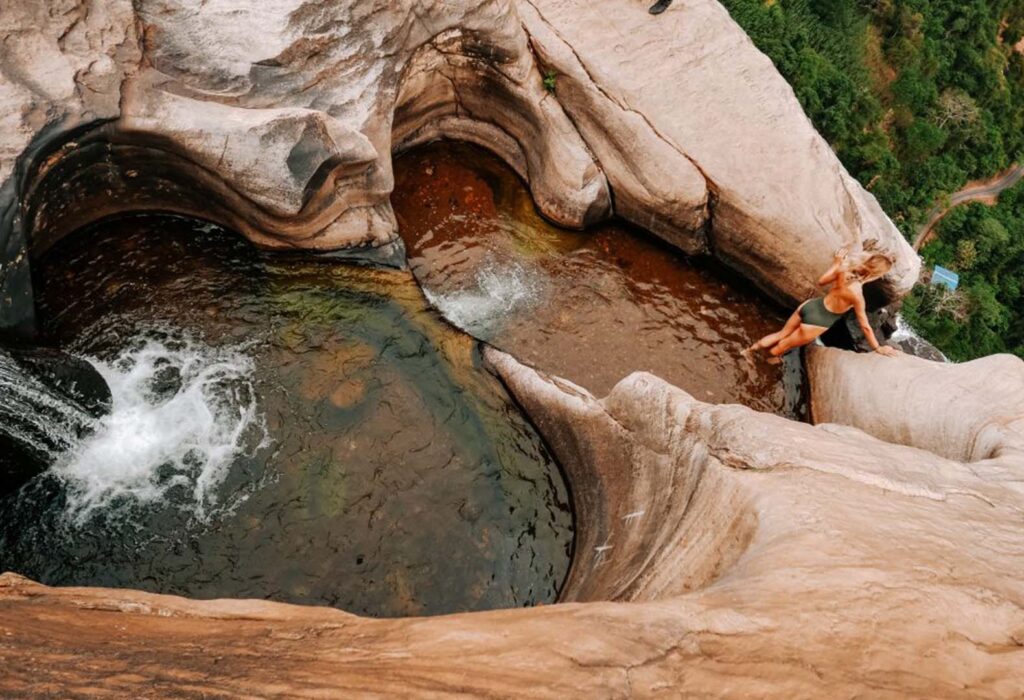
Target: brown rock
[(348, 393), (280, 122), (721, 553)]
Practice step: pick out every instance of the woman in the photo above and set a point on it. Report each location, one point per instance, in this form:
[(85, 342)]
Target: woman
[(816, 316)]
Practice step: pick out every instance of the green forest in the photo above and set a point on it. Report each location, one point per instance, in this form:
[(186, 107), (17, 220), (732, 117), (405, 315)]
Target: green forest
[(919, 97)]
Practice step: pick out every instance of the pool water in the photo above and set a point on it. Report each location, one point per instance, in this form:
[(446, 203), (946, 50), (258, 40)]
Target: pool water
[(289, 428), (589, 306)]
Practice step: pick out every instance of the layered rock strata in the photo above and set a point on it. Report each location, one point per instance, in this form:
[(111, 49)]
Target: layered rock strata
[(721, 553), (279, 120)]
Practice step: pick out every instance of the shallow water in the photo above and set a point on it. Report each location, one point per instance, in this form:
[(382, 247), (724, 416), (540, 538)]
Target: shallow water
[(306, 431), (591, 307)]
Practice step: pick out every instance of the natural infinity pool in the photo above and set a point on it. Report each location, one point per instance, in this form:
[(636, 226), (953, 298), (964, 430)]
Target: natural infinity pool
[(312, 431), (286, 428), (592, 306)]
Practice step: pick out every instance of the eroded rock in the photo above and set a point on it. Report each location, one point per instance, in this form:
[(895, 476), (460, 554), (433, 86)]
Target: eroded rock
[(665, 103), (280, 122), (721, 552), (971, 411)]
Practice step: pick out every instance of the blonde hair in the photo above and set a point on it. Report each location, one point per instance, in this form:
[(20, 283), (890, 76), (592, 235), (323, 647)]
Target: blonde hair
[(871, 267)]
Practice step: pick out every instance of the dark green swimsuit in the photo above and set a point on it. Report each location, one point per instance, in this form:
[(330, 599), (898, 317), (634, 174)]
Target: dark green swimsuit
[(815, 313)]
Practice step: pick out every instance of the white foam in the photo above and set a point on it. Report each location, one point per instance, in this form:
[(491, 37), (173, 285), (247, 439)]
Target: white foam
[(497, 292), (184, 437), (35, 415), (905, 332)]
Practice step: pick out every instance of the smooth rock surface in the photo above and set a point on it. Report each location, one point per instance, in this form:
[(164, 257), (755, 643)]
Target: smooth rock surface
[(664, 102), (968, 411), (279, 120), (721, 553)]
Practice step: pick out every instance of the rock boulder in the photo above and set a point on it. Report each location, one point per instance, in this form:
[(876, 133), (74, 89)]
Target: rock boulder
[(721, 553), (280, 121)]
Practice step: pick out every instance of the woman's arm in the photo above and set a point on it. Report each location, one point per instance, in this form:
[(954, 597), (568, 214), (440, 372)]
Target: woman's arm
[(860, 308), (837, 264)]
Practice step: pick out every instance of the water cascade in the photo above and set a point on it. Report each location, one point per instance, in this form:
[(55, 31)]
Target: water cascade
[(50, 402), (297, 429)]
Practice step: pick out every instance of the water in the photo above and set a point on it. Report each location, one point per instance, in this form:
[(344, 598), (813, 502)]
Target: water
[(283, 428), (39, 420), (494, 294), (907, 339), (182, 413), (591, 307)]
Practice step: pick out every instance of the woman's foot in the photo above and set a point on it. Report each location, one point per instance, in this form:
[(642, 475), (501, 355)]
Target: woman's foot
[(659, 7)]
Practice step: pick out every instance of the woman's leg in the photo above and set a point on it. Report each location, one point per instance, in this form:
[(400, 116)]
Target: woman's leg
[(804, 335), (792, 325)]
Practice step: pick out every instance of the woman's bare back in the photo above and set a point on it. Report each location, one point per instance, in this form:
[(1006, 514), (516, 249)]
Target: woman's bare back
[(845, 293)]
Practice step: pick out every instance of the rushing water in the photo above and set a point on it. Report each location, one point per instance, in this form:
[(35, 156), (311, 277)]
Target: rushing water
[(592, 307), (36, 418), (306, 431), (183, 412)]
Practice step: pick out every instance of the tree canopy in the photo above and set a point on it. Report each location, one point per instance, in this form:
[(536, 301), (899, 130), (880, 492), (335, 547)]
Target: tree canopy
[(919, 97)]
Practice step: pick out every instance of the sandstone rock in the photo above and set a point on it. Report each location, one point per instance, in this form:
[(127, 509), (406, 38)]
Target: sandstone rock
[(721, 553), (656, 184), (970, 412), (280, 122), (688, 93), (60, 68)]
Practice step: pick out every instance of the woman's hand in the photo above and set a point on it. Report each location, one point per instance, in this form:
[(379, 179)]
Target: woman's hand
[(837, 265), (888, 351)]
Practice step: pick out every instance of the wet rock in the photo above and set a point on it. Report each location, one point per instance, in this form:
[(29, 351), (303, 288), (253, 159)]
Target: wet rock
[(48, 400), (69, 376), (917, 346), (165, 383), (899, 334), (18, 463), (720, 552), (288, 138)]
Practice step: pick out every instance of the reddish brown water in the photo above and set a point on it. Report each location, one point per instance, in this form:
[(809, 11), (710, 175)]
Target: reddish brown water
[(591, 307)]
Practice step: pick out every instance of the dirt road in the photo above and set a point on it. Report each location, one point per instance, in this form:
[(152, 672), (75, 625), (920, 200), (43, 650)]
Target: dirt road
[(985, 191)]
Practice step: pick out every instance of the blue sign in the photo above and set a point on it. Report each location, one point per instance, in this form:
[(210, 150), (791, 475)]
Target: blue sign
[(946, 278)]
